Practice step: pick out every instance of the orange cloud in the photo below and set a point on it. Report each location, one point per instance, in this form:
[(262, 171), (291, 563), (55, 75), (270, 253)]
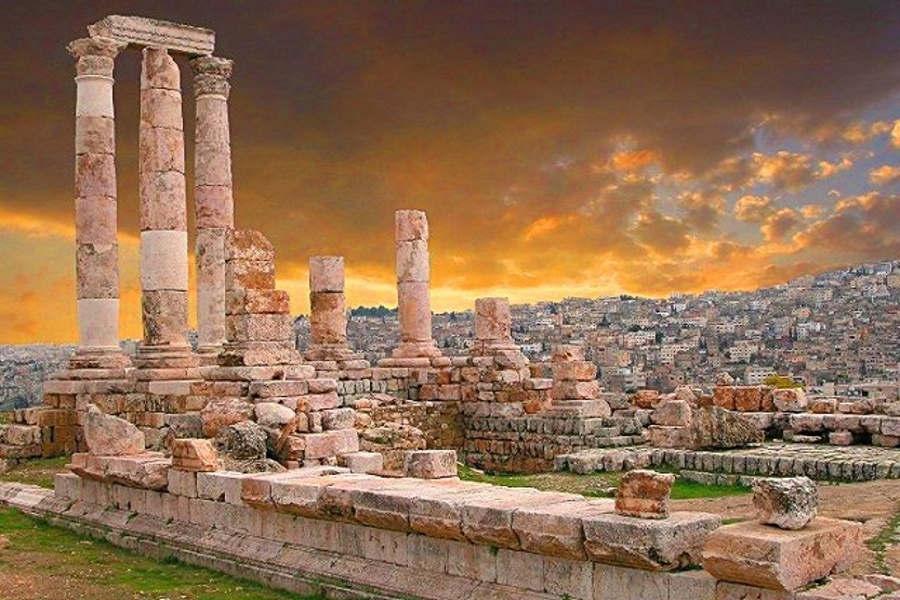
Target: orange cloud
[(885, 175)]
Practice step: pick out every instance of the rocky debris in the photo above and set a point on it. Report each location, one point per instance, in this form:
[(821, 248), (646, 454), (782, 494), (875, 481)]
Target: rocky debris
[(255, 465), (788, 502), (708, 427), (194, 455), (222, 412), (392, 440), (245, 440), (362, 462), (107, 435), (148, 470), (430, 464), (644, 494)]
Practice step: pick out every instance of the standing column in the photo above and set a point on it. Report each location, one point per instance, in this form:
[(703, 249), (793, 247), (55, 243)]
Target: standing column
[(413, 274), (328, 309), (97, 250), (213, 198), (163, 218)]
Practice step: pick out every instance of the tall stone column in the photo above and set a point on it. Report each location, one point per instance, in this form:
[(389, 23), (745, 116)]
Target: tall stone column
[(163, 218), (413, 276), (213, 197), (328, 309), (97, 250)]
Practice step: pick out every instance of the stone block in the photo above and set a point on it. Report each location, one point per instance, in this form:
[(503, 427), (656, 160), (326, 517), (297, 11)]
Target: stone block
[(759, 555), (520, 569), (840, 438), (735, 591), (644, 494), (555, 529), (182, 483), (788, 502), (410, 225), (362, 462), (655, 545), (256, 301), (574, 370), (621, 583), (190, 454), (488, 519), (220, 486), (569, 578), (842, 589), (430, 464), (790, 400), (672, 413), (107, 435), (330, 443), (472, 561)]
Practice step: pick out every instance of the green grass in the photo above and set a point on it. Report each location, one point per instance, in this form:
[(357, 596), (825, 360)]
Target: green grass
[(600, 485), (114, 572), (39, 471), (5, 417), (879, 544)]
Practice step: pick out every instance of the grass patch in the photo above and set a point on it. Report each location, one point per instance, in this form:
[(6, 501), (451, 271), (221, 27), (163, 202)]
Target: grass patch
[(879, 544), (598, 485), (39, 471), (5, 417), (104, 571)]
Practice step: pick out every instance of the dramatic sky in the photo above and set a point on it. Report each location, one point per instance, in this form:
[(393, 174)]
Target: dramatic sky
[(560, 148)]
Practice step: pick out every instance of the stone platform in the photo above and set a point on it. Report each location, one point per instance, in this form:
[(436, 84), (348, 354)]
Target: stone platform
[(855, 463)]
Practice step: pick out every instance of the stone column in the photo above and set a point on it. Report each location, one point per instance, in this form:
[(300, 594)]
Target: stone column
[(213, 199), (493, 325), (413, 276), (97, 250), (328, 309), (163, 218)]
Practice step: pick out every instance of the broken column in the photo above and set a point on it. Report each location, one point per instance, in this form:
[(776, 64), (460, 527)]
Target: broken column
[(328, 310), (213, 197), (413, 276), (163, 218), (575, 385), (97, 256), (493, 326), (258, 324)]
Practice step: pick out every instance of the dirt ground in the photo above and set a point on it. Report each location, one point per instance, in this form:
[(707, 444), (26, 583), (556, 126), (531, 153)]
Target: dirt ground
[(875, 504)]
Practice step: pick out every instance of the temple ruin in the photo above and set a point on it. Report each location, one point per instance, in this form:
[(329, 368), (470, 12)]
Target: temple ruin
[(314, 469)]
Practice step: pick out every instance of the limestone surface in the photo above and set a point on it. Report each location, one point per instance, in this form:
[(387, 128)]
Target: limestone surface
[(644, 494), (788, 502), (107, 435)]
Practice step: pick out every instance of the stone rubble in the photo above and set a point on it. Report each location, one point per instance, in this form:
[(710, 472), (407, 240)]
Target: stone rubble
[(786, 502)]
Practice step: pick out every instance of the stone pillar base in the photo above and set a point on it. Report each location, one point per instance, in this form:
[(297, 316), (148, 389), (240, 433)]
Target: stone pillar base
[(208, 355), (319, 352), (99, 358), (166, 362), (426, 349)]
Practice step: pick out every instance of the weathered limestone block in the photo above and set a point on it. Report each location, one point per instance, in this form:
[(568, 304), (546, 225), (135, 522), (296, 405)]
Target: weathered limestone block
[(143, 31), (654, 545), (790, 400), (788, 503), (555, 529), (362, 462), (430, 464), (410, 225), (273, 415), (412, 261), (574, 370), (191, 454), (646, 399), (488, 519), (644, 494), (760, 555), (330, 443), (326, 273), (148, 470), (222, 412), (107, 435), (672, 413), (251, 301)]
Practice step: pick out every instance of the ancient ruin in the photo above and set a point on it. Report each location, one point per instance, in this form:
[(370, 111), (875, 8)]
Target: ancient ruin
[(315, 469)]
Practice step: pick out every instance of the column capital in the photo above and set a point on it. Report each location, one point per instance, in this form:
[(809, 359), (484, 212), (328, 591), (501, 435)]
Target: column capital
[(95, 55), (211, 75)]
